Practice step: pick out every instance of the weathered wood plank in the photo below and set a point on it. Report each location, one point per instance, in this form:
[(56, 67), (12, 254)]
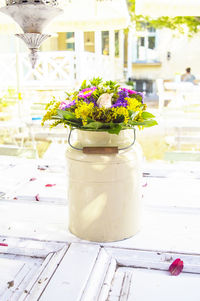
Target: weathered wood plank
[(108, 280), (153, 285), (166, 229), (19, 281), (96, 281), (13, 281), (28, 247), (41, 279), (9, 270), (26, 266), (121, 292), (116, 286), (154, 259), (71, 276)]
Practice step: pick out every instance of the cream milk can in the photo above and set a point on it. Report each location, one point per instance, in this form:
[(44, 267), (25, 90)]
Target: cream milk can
[(104, 190)]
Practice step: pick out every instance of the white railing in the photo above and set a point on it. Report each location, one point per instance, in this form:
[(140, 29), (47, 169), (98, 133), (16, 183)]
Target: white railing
[(57, 69)]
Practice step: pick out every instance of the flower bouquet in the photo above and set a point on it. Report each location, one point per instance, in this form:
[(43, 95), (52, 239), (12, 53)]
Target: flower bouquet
[(100, 106)]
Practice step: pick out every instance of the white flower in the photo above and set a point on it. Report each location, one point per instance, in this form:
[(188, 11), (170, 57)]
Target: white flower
[(105, 100)]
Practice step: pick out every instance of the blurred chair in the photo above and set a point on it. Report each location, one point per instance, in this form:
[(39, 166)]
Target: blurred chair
[(163, 94)]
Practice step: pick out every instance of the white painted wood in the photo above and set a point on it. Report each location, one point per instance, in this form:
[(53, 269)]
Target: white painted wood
[(79, 50), (155, 285), (121, 48), (97, 278), (18, 187), (154, 259), (56, 194), (98, 43), (16, 271), (116, 287), (40, 280), (120, 287), (27, 247), (130, 52), (173, 191), (40, 221), (71, 276), (20, 281), (61, 66), (108, 280), (9, 270), (26, 266), (112, 51), (167, 229), (26, 292), (126, 286)]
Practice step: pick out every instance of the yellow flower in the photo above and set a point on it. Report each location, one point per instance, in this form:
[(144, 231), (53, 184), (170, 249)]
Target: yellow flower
[(84, 110), (121, 111), (133, 104)]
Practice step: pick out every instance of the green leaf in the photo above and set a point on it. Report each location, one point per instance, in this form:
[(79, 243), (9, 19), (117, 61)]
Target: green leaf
[(66, 115), (133, 123), (147, 115), (96, 81), (94, 125), (115, 129), (145, 123), (72, 123), (149, 123), (132, 114), (83, 85)]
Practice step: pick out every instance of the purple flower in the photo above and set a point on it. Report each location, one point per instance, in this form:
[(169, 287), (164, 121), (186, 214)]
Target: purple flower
[(121, 101), (65, 105), (141, 94), (91, 99), (129, 91), (85, 93)]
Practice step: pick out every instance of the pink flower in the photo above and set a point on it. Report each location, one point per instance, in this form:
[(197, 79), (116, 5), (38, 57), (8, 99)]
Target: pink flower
[(105, 100), (86, 92), (63, 105), (176, 267)]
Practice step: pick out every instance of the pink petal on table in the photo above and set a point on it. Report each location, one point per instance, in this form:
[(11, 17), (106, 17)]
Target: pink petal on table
[(144, 185), (50, 185), (15, 198), (32, 179), (37, 198), (3, 245), (176, 267)]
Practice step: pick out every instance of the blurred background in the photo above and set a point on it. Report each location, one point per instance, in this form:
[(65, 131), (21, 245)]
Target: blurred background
[(107, 39)]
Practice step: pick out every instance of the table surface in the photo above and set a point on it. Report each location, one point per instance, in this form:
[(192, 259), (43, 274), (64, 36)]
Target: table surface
[(42, 260)]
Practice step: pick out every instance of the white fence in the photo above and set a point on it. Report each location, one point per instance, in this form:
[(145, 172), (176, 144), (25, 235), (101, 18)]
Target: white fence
[(56, 69)]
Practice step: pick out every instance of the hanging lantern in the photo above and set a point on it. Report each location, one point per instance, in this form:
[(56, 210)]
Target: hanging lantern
[(32, 16)]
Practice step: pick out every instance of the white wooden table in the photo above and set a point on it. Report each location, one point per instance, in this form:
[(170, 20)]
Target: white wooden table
[(41, 260)]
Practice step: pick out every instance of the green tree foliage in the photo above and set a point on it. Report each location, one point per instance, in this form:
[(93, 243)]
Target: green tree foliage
[(175, 23)]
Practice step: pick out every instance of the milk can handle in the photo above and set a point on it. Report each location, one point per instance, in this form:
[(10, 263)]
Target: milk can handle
[(119, 149)]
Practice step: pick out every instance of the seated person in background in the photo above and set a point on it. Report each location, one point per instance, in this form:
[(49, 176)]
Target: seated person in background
[(188, 77)]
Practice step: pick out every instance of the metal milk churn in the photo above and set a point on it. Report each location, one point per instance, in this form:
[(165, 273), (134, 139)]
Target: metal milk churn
[(104, 185)]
